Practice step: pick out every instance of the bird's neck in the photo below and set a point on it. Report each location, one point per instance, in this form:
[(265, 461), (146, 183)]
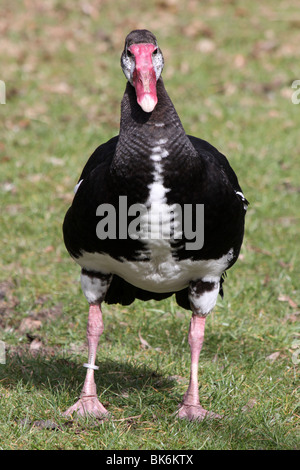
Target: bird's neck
[(140, 131), (163, 115)]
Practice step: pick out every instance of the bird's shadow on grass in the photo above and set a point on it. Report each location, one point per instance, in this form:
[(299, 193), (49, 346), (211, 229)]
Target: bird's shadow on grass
[(118, 383)]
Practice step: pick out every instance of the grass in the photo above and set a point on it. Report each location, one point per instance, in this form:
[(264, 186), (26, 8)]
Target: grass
[(228, 68)]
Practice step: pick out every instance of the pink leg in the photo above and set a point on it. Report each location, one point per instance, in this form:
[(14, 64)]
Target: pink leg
[(88, 404), (190, 407)]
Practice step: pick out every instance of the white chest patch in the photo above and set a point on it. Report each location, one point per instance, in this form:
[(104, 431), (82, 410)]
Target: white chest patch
[(156, 223)]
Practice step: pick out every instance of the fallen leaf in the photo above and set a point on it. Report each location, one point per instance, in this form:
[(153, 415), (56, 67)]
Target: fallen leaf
[(62, 88), (144, 343), (35, 345), (251, 403), (286, 298), (273, 113), (56, 161), (9, 187), (264, 47), (292, 317), (283, 264), (206, 46), (89, 9), (215, 358), (49, 249), (286, 92), (28, 324), (23, 123), (35, 178), (239, 61), (272, 357)]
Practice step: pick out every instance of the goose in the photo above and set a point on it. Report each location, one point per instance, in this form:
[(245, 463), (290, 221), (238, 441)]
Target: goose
[(156, 213)]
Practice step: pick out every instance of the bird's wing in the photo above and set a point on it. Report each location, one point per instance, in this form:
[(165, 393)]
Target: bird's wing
[(99, 156), (209, 153)]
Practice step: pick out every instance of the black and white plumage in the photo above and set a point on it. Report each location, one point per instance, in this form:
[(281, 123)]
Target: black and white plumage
[(153, 162)]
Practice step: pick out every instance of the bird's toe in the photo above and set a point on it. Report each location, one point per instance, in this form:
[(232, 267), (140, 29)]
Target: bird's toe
[(88, 406), (196, 413)]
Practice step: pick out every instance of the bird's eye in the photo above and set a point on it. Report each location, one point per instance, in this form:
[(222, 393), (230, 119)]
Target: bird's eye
[(155, 52), (129, 53)]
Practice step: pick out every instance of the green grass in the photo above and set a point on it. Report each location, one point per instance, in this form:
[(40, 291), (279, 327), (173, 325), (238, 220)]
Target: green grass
[(228, 68)]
